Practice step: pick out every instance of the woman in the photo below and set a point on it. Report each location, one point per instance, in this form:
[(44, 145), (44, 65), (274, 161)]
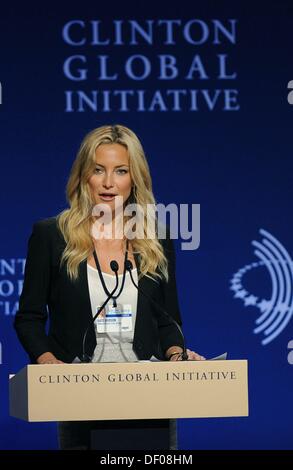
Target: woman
[(68, 266)]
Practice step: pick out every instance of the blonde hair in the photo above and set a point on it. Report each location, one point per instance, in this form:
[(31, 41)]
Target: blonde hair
[(75, 223)]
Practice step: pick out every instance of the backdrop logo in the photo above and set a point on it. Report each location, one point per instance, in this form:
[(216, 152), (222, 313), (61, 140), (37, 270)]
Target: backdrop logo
[(274, 312), (153, 65), (11, 282)]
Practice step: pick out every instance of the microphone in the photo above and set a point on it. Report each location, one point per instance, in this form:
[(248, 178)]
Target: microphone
[(115, 267), (128, 267)]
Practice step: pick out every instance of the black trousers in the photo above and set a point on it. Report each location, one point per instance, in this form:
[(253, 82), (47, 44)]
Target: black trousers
[(142, 434)]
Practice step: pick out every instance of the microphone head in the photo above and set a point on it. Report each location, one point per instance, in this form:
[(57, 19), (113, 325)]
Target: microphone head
[(128, 265), (114, 266)]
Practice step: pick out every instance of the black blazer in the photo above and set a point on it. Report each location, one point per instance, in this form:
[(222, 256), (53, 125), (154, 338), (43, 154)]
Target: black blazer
[(48, 289)]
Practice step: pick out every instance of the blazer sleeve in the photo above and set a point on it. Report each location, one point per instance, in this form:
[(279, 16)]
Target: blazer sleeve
[(31, 317), (168, 332)]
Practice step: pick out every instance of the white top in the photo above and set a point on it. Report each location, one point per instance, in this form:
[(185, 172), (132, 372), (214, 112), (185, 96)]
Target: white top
[(115, 346)]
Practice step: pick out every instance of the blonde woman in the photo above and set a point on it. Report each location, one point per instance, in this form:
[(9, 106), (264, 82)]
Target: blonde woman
[(69, 272)]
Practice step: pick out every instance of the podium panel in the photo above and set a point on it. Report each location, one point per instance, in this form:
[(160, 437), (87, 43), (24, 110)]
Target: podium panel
[(125, 391)]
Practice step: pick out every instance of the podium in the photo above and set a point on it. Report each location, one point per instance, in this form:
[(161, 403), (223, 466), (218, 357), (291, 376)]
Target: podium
[(141, 390)]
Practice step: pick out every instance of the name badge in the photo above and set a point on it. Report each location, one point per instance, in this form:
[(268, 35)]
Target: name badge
[(114, 319)]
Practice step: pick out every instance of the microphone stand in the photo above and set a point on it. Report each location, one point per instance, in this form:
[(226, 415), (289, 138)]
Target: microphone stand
[(128, 266), (115, 267)]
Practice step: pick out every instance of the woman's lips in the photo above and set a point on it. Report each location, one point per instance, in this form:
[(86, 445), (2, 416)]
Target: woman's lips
[(107, 197)]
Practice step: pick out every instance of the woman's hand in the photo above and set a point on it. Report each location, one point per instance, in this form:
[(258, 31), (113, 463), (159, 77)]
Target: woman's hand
[(192, 356), (48, 358)]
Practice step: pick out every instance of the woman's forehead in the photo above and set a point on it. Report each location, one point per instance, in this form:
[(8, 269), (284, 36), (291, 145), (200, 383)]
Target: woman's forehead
[(112, 151)]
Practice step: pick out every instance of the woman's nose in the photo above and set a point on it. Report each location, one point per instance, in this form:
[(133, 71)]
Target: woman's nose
[(108, 180)]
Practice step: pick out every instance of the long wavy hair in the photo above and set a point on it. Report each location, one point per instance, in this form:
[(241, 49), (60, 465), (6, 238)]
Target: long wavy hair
[(75, 223)]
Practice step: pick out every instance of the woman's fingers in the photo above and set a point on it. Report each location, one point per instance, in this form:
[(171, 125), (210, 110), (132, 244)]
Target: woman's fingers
[(193, 356), (53, 361)]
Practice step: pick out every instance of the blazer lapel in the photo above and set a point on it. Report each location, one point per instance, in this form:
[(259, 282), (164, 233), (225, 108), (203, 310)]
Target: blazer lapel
[(139, 295), (83, 287), (145, 340), (142, 301)]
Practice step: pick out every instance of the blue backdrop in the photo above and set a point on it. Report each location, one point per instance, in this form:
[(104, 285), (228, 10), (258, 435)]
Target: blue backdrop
[(205, 87)]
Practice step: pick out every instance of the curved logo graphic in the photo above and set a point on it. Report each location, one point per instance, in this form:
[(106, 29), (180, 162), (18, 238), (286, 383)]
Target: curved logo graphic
[(290, 355), (275, 312)]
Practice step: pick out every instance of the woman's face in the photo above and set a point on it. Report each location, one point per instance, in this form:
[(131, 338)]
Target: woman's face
[(111, 177)]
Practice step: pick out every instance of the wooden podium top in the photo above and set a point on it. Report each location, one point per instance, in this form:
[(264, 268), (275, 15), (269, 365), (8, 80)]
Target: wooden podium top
[(136, 390)]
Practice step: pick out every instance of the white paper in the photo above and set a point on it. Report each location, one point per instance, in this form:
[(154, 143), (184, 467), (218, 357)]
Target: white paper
[(221, 357)]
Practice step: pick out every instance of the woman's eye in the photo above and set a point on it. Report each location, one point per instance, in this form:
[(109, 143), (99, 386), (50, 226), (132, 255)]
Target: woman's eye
[(119, 171)]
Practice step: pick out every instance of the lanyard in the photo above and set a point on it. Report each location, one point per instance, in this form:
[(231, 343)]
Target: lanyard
[(114, 297)]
